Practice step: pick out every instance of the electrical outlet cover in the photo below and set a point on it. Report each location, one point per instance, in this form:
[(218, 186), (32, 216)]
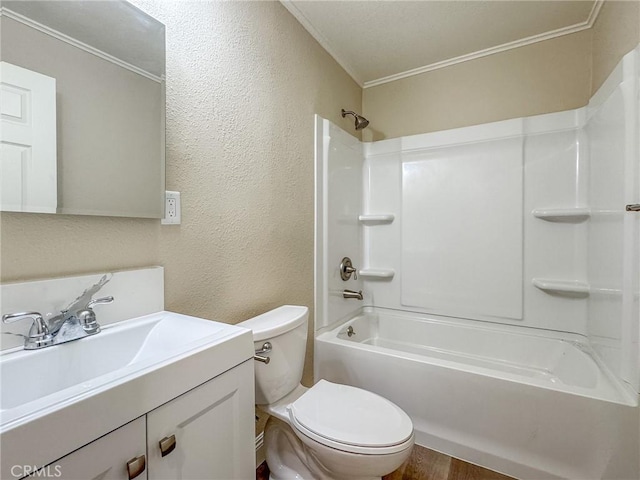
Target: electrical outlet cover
[(171, 208)]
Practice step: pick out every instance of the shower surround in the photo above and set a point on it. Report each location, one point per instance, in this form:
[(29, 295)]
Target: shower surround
[(500, 274)]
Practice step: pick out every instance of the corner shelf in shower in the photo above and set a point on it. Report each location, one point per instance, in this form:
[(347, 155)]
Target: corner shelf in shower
[(377, 273), (566, 215), (572, 287), (377, 219)]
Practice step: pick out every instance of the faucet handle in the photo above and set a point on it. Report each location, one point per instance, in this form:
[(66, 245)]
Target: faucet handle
[(35, 316), (347, 269), (87, 317), (99, 301), (39, 335)]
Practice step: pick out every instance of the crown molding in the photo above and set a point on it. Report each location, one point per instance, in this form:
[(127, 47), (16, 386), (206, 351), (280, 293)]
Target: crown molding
[(595, 11), (4, 11), (588, 23), (578, 27), (324, 43)]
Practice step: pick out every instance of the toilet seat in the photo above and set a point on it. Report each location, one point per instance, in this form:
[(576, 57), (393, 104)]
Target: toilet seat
[(351, 419)]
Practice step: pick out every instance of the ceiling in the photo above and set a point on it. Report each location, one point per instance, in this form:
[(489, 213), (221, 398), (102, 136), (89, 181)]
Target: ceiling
[(378, 41)]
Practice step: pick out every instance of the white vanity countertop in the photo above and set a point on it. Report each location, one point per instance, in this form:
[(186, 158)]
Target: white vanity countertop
[(76, 392)]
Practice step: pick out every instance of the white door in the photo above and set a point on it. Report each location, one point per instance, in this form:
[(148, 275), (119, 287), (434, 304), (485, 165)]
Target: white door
[(28, 166), (120, 455), (207, 433)]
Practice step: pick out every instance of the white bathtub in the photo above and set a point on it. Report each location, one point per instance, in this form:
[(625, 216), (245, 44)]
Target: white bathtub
[(528, 403)]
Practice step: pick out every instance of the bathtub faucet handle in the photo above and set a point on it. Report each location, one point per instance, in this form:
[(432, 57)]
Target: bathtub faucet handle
[(354, 271), (347, 268)]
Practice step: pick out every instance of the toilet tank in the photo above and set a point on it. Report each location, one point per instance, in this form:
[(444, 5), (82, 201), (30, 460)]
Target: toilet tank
[(286, 329)]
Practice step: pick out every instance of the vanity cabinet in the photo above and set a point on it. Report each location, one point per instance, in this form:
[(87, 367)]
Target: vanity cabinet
[(205, 433), (105, 458)]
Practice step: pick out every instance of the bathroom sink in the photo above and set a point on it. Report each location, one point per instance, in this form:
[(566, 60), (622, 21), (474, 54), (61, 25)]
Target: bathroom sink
[(60, 398), (37, 380)]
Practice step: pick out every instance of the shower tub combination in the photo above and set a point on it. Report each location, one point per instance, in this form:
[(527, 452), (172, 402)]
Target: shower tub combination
[(520, 401), (498, 283)]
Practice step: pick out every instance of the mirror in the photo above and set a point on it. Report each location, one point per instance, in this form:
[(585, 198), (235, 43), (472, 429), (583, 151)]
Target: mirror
[(83, 109)]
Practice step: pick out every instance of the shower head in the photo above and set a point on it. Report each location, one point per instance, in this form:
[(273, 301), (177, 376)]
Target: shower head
[(361, 122)]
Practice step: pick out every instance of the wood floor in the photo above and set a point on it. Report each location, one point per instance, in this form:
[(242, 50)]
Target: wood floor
[(425, 464)]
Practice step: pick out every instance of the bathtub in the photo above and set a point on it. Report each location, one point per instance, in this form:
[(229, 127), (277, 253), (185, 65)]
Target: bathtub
[(528, 403)]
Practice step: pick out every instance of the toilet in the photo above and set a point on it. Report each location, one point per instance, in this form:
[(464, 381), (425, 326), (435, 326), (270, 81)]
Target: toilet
[(326, 432)]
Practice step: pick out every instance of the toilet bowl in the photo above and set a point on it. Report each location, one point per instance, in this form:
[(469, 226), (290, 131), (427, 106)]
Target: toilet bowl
[(329, 431)]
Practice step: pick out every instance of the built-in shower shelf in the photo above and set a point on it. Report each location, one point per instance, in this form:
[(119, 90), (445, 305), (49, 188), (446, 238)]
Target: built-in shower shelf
[(377, 219), (573, 287), (377, 273), (567, 215), (606, 292)]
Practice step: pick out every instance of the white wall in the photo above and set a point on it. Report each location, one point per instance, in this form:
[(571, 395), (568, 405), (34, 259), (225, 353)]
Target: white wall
[(465, 242), (613, 234), (461, 229), (339, 160)]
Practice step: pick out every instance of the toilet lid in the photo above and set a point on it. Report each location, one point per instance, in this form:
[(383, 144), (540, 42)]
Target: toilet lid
[(350, 416)]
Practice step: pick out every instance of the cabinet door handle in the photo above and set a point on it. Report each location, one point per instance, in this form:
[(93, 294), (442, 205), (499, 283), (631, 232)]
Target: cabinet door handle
[(136, 466), (167, 445)]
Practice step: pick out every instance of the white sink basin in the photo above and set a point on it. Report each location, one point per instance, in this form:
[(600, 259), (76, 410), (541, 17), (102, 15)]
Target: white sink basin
[(89, 387), (79, 366)]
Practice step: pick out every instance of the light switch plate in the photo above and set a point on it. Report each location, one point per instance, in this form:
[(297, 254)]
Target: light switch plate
[(171, 208)]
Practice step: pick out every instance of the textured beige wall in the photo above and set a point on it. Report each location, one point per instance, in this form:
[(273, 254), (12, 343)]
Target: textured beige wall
[(244, 81), (550, 76), (34, 245), (615, 33), (544, 77)]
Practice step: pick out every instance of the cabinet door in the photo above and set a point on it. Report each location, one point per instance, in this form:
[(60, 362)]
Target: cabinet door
[(105, 458), (213, 428)]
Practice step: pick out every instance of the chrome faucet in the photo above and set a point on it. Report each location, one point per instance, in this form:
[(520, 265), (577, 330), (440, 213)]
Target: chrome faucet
[(76, 321), (352, 294)]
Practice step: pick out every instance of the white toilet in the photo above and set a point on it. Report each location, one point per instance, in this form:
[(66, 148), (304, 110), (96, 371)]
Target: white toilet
[(328, 431)]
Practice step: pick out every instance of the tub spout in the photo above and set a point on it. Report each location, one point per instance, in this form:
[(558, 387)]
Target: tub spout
[(352, 294)]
